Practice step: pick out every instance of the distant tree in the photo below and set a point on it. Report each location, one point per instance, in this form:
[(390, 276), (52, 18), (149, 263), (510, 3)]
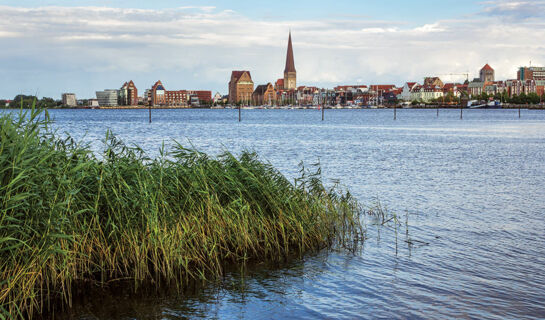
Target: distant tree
[(523, 98), (504, 96), (483, 96), (532, 98), (24, 101), (46, 102)]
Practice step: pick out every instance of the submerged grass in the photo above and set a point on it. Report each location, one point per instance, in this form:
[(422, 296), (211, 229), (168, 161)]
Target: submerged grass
[(69, 217)]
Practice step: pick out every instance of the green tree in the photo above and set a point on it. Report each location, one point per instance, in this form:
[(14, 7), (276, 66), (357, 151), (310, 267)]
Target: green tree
[(46, 102), (532, 98), (22, 100)]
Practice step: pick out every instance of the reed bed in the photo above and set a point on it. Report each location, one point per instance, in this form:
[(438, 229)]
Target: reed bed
[(70, 217)]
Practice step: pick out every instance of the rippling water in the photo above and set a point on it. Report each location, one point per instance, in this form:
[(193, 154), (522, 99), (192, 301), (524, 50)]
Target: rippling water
[(473, 190)]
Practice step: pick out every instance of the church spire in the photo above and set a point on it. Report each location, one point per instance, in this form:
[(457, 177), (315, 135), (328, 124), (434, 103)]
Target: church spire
[(290, 63)]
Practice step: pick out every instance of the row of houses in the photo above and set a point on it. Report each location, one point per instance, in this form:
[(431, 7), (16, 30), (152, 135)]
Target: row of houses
[(529, 80), (127, 95)]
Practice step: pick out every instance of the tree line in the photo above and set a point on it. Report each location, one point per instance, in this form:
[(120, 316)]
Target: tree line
[(27, 101)]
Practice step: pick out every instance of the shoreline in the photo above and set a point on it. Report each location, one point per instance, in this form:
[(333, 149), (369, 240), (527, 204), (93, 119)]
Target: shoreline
[(511, 106)]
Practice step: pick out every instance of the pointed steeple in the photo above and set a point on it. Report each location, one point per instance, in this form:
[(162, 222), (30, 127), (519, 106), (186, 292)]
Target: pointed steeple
[(290, 63)]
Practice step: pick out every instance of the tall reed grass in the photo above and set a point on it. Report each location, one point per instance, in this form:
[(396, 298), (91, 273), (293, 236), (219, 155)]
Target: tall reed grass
[(70, 218)]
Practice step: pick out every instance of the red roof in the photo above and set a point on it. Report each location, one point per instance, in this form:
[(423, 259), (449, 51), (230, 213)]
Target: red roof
[(237, 74), (487, 67), (280, 82), (382, 87)]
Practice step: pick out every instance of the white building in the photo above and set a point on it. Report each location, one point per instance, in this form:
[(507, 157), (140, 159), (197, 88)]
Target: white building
[(92, 103), (217, 97), (408, 88), (426, 93), (69, 100)]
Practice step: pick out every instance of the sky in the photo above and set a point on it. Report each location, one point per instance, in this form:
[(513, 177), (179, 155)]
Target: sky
[(80, 46)]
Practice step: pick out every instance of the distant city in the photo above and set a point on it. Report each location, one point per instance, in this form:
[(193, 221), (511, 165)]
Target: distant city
[(527, 88)]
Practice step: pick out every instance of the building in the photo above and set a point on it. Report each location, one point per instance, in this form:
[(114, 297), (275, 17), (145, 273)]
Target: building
[(350, 94), (158, 96), (290, 74), (69, 100), (217, 97), (433, 82), (241, 87), (128, 94), (407, 90), (486, 74), (475, 87), (107, 97), (531, 73), (92, 103), (279, 85), (203, 96), (426, 93), (456, 89), (264, 94)]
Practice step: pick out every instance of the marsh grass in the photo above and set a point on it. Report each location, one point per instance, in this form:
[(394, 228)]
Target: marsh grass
[(70, 218)]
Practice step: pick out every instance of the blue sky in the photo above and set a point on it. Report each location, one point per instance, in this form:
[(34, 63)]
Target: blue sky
[(413, 11), (50, 47)]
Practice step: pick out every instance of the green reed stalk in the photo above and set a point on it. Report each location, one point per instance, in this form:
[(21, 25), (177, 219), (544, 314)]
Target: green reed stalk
[(70, 218)]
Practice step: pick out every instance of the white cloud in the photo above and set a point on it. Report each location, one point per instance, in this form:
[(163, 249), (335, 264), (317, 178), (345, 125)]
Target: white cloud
[(83, 49)]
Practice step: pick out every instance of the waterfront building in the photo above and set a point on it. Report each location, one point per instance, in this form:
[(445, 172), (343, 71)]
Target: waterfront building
[(407, 90), (279, 85), (216, 98), (487, 74), (203, 96), (456, 89), (531, 73), (517, 87), (159, 96), (264, 94), (69, 100), (433, 82), (128, 94), (306, 95), (241, 87), (348, 94), (426, 93), (92, 103), (381, 88), (107, 97), (475, 87), (290, 74)]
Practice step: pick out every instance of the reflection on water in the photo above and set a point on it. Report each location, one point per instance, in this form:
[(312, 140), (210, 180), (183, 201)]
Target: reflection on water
[(472, 190)]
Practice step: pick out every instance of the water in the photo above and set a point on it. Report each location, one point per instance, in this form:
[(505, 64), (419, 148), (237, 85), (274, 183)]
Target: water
[(473, 191)]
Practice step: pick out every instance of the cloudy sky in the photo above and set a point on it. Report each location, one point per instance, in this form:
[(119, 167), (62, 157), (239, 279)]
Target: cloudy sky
[(50, 47)]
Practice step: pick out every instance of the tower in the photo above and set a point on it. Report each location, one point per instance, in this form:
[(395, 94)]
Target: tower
[(290, 75), (487, 74)]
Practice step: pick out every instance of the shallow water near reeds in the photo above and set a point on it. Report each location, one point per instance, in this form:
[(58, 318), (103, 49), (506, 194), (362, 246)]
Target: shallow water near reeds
[(472, 190)]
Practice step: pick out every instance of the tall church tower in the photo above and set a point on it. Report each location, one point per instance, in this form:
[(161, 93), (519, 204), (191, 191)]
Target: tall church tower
[(290, 75)]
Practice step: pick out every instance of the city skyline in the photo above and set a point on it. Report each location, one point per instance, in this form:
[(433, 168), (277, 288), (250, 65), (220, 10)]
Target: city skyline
[(54, 49)]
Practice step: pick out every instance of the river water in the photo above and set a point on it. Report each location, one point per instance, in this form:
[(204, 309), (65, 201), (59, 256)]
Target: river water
[(472, 190)]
